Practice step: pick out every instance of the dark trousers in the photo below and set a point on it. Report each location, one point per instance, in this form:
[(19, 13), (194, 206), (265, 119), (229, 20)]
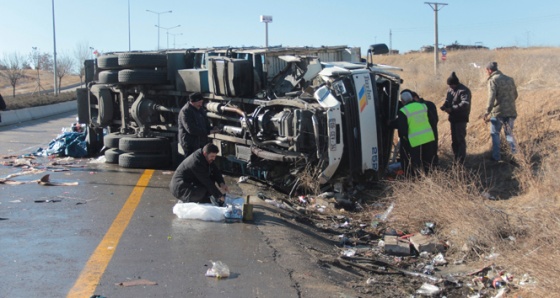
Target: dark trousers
[(429, 155), (411, 158), (458, 140), (194, 193)]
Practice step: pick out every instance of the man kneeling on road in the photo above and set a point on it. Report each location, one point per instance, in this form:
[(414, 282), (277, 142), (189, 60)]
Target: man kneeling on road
[(196, 177)]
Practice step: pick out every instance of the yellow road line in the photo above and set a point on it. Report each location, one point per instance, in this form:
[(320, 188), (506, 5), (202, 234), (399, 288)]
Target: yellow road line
[(95, 267)]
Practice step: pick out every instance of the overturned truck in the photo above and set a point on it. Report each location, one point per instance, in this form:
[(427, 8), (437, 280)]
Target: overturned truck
[(281, 112)]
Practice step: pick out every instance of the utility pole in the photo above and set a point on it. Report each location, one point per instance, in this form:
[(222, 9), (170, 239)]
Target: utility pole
[(390, 42), (436, 7)]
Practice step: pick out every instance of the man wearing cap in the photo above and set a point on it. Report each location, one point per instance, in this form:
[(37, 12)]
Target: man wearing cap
[(501, 110), (193, 125), (458, 106), (429, 150), (414, 131)]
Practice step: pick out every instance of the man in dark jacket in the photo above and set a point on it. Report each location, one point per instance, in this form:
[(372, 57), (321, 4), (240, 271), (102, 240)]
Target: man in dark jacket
[(196, 177), (458, 106), (193, 125), (429, 150)]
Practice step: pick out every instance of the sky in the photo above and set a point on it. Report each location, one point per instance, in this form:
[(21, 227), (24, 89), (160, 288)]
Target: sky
[(403, 25)]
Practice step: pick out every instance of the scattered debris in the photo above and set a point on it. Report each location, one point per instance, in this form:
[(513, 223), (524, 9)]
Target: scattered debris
[(218, 270), (137, 282), (428, 290), (47, 201), (45, 180)]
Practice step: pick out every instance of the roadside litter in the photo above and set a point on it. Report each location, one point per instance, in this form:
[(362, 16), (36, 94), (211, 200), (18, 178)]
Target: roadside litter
[(136, 282), (231, 212), (218, 270), (45, 180), (66, 144)]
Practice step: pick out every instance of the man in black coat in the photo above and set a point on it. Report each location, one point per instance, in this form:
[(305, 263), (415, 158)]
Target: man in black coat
[(196, 177), (429, 150), (458, 106), (193, 125)]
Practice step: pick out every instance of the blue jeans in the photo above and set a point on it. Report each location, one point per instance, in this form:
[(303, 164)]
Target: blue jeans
[(495, 129)]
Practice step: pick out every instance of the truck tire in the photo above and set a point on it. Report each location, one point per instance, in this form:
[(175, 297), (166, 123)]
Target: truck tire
[(112, 155), (108, 77), (142, 60), (108, 62), (144, 160), (83, 105), (111, 140), (142, 76), (143, 145), (105, 104)]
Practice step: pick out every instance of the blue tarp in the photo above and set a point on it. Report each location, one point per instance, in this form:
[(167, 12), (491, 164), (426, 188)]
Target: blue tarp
[(66, 144)]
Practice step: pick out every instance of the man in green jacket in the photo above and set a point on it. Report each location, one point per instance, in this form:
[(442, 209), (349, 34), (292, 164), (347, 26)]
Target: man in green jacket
[(501, 110)]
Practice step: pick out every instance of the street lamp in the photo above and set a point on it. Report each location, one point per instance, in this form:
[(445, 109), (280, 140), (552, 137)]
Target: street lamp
[(175, 35), (55, 87), (91, 49), (158, 14), (266, 20), (167, 28)]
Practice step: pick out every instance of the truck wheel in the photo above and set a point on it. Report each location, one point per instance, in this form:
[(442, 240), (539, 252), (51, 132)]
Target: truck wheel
[(108, 77), (112, 155), (105, 105), (108, 62), (143, 144), (142, 76), (133, 60), (111, 140), (144, 160), (83, 105)]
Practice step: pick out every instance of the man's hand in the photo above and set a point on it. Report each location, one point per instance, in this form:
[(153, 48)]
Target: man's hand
[(224, 188), (486, 117), (215, 130)]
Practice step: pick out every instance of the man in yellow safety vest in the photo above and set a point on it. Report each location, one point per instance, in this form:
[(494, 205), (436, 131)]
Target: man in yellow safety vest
[(414, 131)]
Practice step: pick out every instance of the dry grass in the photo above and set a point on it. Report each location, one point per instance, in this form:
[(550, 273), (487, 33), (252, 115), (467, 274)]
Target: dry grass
[(524, 226)]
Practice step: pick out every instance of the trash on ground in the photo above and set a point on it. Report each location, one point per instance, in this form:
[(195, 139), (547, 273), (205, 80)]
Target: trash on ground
[(100, 159), (428, 290), (45, 180), (205, 212), (234, 209), (48, 201), (243, 179), (219, 270), (136, 282), (66, 144)]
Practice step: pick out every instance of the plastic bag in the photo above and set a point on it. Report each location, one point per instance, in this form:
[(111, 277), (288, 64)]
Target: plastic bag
[(234, 208), (206, 212), (219, 270)]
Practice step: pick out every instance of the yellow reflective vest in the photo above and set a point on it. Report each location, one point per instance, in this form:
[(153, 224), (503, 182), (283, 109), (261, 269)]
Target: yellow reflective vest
[(419, 130)]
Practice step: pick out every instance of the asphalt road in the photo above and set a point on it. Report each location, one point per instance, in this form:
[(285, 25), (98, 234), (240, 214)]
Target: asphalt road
[(117, 226)]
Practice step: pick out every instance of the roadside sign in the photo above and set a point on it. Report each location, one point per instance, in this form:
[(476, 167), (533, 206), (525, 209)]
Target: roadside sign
[(443, 52), (443, 57)]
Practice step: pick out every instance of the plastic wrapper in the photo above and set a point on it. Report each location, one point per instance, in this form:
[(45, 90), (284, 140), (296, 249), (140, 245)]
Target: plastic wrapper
[(219, 270), (205, 212), (234, 208)]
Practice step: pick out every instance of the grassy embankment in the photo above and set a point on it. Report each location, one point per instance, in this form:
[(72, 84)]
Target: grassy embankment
[(523, 227), (28, 85)]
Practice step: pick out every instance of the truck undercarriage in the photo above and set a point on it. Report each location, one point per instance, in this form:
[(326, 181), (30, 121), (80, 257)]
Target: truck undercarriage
[(282, 113)]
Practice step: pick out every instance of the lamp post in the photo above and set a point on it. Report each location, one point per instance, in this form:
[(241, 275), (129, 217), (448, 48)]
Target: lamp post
[(175, 35), (158, 14), (91, 49), (167, 32), (55, 87), (266, 20)]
